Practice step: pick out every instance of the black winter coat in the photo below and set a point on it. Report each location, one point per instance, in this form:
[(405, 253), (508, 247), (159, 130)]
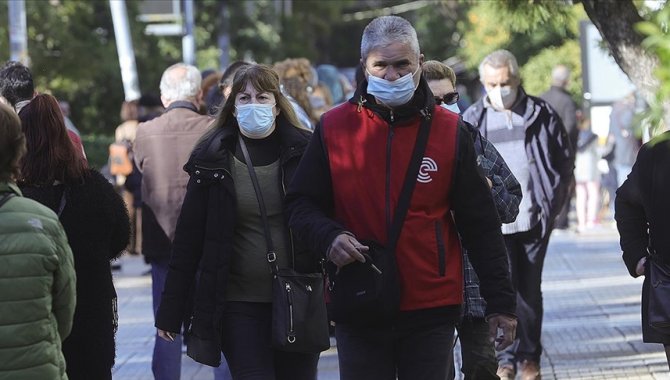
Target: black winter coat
[(97, 227), (643, 216), (203, 243)]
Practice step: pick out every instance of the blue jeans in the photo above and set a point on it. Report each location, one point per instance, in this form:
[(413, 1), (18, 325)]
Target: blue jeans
[(166, 361)]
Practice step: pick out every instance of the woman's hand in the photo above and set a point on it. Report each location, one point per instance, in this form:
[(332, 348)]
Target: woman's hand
[(639, 269), (169, 336)]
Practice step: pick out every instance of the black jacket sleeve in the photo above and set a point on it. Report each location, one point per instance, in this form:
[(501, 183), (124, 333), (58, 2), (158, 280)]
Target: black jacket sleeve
[(562, 159), (631, 219), (187, 251), (309, 200), (479, 227)]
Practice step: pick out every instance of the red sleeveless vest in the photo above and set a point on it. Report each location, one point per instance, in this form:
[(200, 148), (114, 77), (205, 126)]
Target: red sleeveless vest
[(360, 145)]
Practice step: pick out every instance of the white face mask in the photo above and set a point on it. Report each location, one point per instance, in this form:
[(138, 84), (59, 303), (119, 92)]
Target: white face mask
[(392, 93), (502, 97), (256, 121), (451, 107)]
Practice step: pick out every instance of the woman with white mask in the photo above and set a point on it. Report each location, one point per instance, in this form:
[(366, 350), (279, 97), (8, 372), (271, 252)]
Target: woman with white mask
[(220, 243)]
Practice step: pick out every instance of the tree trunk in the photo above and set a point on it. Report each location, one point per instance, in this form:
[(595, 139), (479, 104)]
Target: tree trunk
[(615, 20)]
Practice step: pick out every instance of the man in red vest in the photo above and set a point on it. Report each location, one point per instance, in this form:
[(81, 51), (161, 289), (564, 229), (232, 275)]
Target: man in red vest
[(347, 188)]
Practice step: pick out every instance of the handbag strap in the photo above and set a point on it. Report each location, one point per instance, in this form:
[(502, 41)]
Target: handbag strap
[(271, 255), (410, 180), (5, 198)]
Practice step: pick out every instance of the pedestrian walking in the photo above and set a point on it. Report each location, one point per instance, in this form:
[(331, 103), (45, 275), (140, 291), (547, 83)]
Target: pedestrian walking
[(642, 217), (516, 122), (624, 135), (221, 235), (97, 226), (17, 86), (37, 268), (478, 356), (587, 177), (162, 146), (561, 101), (347, 192)]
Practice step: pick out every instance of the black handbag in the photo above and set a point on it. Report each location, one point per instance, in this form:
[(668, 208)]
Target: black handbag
[(659, 295), (369, 293), (299, 318)]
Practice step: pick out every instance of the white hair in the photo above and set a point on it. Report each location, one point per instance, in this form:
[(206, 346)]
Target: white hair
[(500, 58), (386, 30), (180, 82), (560, 75)]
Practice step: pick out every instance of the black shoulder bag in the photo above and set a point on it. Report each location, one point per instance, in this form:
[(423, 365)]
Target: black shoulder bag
[(369, 293), (299, 318)]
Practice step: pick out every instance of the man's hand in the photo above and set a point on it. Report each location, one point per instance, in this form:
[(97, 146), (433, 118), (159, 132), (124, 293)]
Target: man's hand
[(345, 249), (169, 336), (508, 326), (489, 182)]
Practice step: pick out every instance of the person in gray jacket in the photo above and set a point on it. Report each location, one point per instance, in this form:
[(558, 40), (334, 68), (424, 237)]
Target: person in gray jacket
[(37, 277), (162, 147), (516, 122)]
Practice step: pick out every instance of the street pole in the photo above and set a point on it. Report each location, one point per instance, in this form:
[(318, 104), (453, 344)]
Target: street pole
[(188, 41), (18, 35), (124, 47)]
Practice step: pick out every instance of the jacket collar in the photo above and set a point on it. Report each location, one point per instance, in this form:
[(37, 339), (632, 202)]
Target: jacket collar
[(181, 104), (213, 151), (421, 104), (10, 187), (525, 106)]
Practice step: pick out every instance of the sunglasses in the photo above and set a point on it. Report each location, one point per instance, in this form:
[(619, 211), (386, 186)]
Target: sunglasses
[(449, 98)]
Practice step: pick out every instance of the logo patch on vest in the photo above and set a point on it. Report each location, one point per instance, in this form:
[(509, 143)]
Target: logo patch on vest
[(427, 166)]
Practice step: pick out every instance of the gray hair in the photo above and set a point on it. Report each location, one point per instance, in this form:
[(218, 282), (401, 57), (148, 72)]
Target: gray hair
[(500, 58), (386, 30), (180, 82), (560, 75)]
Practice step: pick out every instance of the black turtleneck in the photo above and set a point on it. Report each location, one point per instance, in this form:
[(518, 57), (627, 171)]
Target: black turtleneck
[(262, 151)]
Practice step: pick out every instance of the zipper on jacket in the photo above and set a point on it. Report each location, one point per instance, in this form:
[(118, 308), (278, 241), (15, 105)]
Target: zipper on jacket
[(289, 297), (389, 140), (441, 251)]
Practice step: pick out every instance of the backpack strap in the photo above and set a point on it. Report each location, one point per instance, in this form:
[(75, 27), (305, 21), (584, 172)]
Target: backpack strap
[(5, 198)]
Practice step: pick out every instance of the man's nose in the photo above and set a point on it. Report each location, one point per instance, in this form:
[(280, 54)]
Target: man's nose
[(391, 74)]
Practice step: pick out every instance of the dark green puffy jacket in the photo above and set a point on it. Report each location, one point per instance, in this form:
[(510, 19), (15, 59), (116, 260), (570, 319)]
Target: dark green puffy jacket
[(37, 289)]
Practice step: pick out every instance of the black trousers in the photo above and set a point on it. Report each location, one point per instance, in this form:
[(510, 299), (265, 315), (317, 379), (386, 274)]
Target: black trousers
[(416, 346), (247, 346), (526, 251)]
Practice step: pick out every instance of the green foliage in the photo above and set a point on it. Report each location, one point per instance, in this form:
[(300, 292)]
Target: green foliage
[(657, 41), (73, 50), (536, 73), (97, 149)]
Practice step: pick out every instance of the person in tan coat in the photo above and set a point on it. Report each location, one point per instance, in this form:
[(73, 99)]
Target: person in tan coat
[(162, 147)]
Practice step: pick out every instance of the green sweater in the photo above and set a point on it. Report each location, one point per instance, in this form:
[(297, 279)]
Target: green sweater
[(37, 289)]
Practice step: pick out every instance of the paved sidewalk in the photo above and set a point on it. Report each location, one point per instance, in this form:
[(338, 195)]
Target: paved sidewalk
[(591, 325)]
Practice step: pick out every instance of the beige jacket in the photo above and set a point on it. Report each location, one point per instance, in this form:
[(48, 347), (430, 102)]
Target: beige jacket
[(162, 147)]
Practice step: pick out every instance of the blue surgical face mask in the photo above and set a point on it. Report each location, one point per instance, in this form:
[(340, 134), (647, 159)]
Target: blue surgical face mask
[(392, 93), (256, 121), (451, 107)]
